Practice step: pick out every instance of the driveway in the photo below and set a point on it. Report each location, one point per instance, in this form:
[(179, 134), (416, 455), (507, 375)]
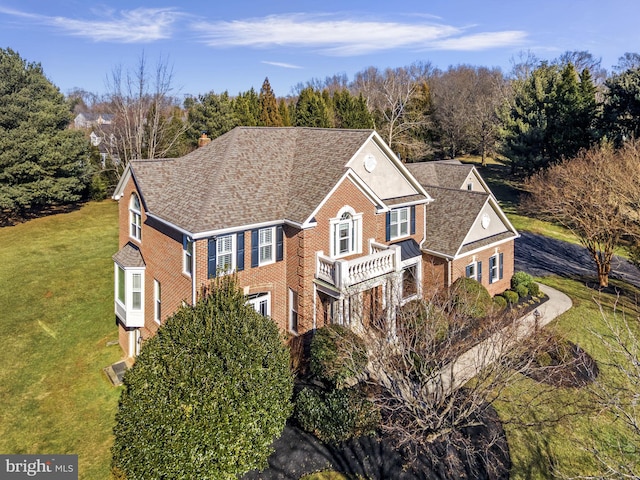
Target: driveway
[(541, 256)]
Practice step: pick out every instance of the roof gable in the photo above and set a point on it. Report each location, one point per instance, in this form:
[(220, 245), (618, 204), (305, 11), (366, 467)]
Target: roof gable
[(248, 176)]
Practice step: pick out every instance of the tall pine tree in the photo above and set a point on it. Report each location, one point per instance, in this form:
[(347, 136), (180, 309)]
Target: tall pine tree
[(311, 110), (42, 162), (269, 113)]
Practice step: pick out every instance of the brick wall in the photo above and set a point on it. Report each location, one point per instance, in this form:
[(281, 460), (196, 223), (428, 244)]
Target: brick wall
[(507, 249)]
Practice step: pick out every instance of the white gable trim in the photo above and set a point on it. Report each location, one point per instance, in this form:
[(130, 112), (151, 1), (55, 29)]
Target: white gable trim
[(505, 221), (124, 178), (351, 176)]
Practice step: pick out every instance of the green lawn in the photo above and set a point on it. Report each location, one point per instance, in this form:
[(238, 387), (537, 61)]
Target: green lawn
[(56, 292), (56, 299), (564, 444)]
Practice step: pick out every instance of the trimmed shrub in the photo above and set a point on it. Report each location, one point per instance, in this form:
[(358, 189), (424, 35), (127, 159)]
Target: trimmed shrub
[(500, 302), (522, 290), (511, 297), (470, 298), (521, 278), (337, 354), (335, 415), (534, 289), (207, 395)]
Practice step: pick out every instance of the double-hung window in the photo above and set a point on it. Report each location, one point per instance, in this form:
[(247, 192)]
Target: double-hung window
[(495, 268), (346, 233), (157, 300), (399, 223), (135, 218), (187, 250), (266, 244), (225, 254)]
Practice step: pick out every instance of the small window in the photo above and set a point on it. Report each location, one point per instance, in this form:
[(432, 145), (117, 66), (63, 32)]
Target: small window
[(495, 268), (399, 223), (266, 240), (187, 246), (293, 311), (261, 302), (121, 285), (135, 218), (470, 271), (225, 254), (470, 186), (157, 293), (410, 281), (136, 291)]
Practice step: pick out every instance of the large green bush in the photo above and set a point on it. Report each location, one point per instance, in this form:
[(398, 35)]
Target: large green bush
[(520, 279), (511, 297), (335, 415), (470, 298), (207, 395), (337, 354)]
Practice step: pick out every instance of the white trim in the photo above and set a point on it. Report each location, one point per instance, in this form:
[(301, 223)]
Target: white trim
[(355, 232), (157, 301), (124, 178), (398, 223), (135, 217), (186, 240), (129, 316), (233, 253), (272, 244), (257, 299)]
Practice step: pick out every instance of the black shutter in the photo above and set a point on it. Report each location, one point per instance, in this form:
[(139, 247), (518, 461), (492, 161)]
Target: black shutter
[(467, 271), (279, 243), (240, 252), (492, 263), (500, 265), (388, 226), (412, 217), (211, 258), (480, 272), (254, 248)]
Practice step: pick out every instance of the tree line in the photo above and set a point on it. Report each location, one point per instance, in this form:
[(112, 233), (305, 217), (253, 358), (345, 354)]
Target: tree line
[(533, 116)]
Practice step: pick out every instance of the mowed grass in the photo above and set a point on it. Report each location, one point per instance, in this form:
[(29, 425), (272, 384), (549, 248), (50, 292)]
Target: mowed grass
[(561, 425), (56, 305)]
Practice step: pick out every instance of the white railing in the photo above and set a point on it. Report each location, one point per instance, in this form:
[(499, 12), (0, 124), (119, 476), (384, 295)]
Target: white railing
[(344, 273)]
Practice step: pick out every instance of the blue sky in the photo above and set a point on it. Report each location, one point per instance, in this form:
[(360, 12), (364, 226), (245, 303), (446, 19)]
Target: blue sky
[(233, 45)]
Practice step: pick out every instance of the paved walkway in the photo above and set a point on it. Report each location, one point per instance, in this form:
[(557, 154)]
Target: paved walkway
[(298, 453), (465, 367)]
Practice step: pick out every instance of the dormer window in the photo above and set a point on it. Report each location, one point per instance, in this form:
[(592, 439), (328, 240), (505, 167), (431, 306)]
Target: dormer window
[(346, 233), (135, 218)]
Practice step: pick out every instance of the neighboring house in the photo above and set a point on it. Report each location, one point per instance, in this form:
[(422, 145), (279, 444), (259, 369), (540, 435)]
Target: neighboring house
[(100, 130), (319, 225), (89, 120)]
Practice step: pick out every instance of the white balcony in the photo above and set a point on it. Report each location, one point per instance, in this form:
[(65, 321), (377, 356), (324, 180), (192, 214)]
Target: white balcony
[(341, 274)]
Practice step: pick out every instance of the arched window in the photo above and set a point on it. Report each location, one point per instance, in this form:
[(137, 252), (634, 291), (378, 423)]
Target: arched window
[(346, 233), (135, 218)]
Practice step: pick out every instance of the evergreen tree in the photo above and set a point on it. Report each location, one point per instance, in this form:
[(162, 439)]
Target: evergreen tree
[(247, 108), (311, 110), (551, 117), (211, 113), (285, 114), (207, 395), (350, 111), (269, 113), (621, 116), (42, 162)]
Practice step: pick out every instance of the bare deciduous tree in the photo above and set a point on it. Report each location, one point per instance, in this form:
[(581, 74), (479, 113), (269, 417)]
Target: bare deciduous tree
[(595, 195), (434, 379), (389, 96), (143, 125)]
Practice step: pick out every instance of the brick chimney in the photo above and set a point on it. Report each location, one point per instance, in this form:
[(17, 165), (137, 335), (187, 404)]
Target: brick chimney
[(203, 140)]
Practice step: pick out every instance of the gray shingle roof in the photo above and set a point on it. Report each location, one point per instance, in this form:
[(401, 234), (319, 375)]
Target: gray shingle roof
[(450, 218), (440, 174), (129, 257), (249, 175)]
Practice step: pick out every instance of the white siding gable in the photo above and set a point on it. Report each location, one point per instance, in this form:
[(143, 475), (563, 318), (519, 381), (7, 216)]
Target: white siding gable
[(481, 230), (380, 173)]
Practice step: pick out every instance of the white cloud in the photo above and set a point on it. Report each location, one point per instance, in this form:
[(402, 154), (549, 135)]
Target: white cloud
[(127, 26), (281, 64), (345, 37), (482, 41)]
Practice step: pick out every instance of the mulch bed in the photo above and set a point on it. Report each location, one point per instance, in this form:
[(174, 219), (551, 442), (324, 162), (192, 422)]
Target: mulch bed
[(472, 453), (564, 364)]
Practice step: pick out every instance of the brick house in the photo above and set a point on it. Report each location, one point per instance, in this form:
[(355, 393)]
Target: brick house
[(319, 225)]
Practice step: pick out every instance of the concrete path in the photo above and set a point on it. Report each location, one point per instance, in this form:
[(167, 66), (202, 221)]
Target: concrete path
[(467, 366)]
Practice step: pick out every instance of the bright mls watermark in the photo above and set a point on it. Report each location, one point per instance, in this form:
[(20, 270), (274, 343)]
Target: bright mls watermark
[(50, 467)]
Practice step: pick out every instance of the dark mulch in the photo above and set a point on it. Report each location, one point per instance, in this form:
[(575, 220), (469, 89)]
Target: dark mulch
[(472, 453), (564, 364)]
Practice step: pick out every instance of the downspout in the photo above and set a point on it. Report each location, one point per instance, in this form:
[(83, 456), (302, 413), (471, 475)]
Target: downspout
[(193, 275), (449, 271)]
